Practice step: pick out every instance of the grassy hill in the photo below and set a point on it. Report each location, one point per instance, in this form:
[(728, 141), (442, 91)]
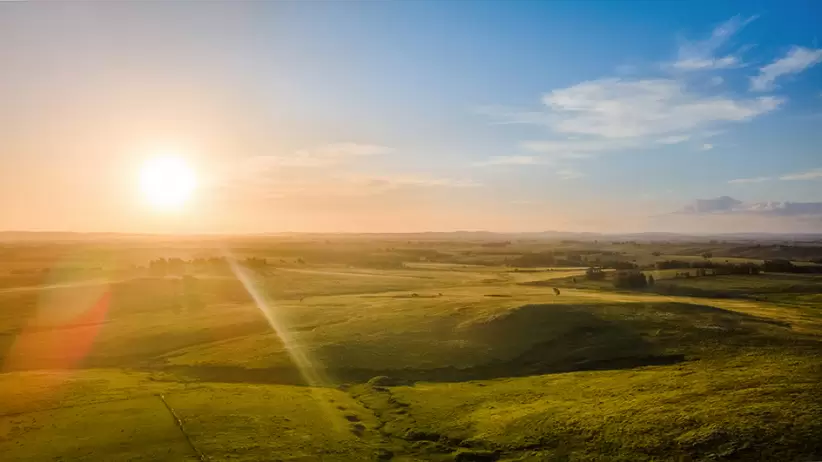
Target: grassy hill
[(425, 361)]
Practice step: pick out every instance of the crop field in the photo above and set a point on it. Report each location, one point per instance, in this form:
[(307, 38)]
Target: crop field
[(396, 350)]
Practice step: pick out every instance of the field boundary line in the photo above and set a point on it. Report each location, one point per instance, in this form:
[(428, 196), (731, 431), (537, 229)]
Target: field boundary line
[(179, 423)]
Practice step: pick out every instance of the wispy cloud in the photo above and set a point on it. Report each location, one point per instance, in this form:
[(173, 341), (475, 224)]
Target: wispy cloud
[(814, 174), (729, 205), (617, 114), (502, 115), (704, 54), (702, 64), (719, 204), (786, 208), (319, 156), (575, 148), (620, 114), (511, 160), (616, 108), (796, 60), (569, 174), (675, 139), (758, 179), (330, 185), (380, 183), (323, 172)]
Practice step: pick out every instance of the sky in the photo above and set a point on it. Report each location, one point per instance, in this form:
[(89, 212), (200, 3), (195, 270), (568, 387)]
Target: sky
[(609, 116)]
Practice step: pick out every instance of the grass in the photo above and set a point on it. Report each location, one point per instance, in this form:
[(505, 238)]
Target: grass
[(254, 422), (473, 362), (711, 409), (95, 415)]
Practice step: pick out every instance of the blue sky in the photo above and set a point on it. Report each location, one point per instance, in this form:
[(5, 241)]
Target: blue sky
[(408, 116)]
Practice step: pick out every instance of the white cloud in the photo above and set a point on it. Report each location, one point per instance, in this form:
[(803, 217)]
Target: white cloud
[(320, 156), (388, 182), (694, 64), (574, 148), (758, 179), (321, 172), (331, 184), (815, 174), (569, 174), (616, 114), (674, 139), (621, 114), (702, 54), (501, 115), (796, 60), (729, 205), (706, 147), (511, 160), (716, 80), (786, 209), (616, 108), (719, 204)]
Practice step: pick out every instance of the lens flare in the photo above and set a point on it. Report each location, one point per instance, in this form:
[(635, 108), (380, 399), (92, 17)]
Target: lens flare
[(63, 331), (311, 372)]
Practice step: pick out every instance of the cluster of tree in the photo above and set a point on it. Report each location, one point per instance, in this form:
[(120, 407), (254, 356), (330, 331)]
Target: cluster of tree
[(673, 264), (770, 266), (736, 268), (255, 263), (805, 251), (709, 268), (594, 274), (632, 280), (163, 266), (618, 264), (431, 255), (785, 266), (497, 244), (571, 258), (706, 264)]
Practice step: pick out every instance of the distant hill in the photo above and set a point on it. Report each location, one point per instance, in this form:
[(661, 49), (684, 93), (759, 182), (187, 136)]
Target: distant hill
[(45, 236)]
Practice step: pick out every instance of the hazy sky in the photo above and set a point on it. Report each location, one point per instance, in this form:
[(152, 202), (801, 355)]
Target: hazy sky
[(409, 116)]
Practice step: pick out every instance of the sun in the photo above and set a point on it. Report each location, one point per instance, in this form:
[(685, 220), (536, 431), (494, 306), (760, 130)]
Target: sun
[(167, 183)]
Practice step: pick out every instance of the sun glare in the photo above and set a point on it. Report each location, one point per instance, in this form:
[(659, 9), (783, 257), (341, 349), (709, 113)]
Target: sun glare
[(167, 183)]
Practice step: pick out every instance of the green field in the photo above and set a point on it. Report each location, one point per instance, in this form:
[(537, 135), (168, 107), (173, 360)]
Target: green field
[(395, 350)]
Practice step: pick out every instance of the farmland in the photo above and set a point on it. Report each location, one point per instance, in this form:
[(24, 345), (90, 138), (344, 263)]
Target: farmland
[(330, 348)]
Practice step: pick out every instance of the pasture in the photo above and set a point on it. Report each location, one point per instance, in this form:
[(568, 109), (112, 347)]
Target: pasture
[(396, 350)]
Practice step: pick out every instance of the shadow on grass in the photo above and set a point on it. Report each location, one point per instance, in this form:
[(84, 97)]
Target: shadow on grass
[(553, 339)]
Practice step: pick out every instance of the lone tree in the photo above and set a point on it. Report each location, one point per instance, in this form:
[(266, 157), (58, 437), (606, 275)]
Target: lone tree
[(651, 280)]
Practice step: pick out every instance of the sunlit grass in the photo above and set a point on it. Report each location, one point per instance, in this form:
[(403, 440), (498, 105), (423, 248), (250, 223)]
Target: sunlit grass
[(472, 362)]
